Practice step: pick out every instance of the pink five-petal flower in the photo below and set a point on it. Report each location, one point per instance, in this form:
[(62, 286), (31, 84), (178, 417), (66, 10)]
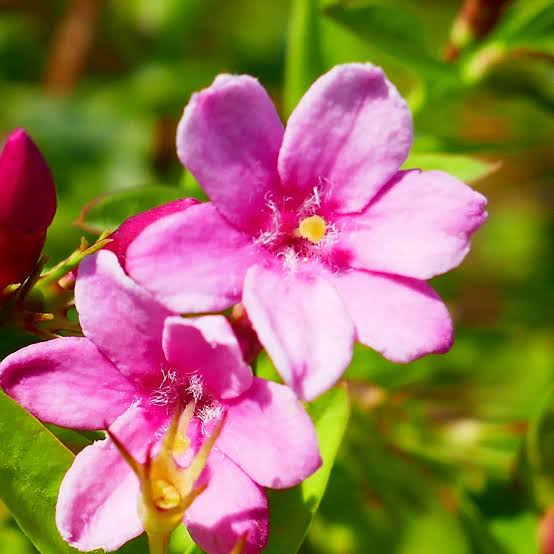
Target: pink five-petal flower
[(136, 363), (314, 227)]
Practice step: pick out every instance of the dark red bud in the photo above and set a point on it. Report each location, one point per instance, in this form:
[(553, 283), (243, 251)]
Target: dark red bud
[(27, 191), (27, 207), (132, 227), (19, 253)]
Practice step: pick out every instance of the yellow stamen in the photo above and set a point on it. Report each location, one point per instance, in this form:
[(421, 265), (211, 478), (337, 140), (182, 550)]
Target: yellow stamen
[(312, 228), (168, 489)]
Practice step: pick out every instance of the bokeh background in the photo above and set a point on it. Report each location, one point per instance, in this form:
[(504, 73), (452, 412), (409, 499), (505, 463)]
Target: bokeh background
[(450, 454)]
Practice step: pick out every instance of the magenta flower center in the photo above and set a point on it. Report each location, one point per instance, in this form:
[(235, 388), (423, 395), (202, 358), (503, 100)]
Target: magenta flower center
[(175, 388), (301, 233)]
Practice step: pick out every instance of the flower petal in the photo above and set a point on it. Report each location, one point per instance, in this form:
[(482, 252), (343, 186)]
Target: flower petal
[(122, 319), (68, 382), (132, 227), (269, 434), (349, 135), (98, 499), (229, 138), (231, 506), (194, 261), (401, 318), (419, 225), (302, 323), (207, 346)]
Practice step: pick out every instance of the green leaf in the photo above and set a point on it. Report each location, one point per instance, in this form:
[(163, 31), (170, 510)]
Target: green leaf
[(527, 24), (390, 29), (304, 62), (110, 210), (464, 167), (32, 465), (292, 510), (398, 33)]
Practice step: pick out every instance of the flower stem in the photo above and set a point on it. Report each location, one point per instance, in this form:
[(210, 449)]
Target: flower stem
[(157, 544)]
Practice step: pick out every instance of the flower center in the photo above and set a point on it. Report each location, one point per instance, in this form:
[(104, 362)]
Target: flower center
[(165, 495), (312, 228)]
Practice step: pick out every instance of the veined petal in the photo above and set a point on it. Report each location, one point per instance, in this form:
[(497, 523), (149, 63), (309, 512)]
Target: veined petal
[(269, 434), (193, 261), (121, 318), (401, 318), (231, 506), (206, 346), (419, 225), (98, 499), (302, 323), (348, 136), (68, 382), (229, 138)]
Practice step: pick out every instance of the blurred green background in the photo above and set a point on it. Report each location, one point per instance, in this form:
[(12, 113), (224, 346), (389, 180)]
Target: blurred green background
[(450, 454)]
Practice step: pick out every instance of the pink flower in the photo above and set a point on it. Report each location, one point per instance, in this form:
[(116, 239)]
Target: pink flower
[(135, 363), (314, 227), (27, 206)]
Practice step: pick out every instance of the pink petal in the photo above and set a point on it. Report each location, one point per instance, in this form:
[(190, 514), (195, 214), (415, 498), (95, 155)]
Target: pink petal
[(231, 506), (419, 225), (401, 318), (67, 381), (229, 138), (303, 324), (194, 261), (132, 227), (269, 434), (348, 136), (207, 347), (97, 503), (120, 317)]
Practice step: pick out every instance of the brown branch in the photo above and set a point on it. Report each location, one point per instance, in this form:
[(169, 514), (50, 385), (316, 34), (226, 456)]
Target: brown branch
[(73, 38)]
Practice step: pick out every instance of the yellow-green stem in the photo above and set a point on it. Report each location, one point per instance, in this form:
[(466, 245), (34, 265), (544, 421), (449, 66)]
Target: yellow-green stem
[(157, 544)]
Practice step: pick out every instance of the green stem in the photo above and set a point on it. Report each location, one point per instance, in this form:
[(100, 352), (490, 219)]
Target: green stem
[(158, 544)]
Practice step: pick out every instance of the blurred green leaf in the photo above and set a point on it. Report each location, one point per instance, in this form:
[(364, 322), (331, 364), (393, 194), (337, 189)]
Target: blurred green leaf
[(109, 211), (395, 31), (304, 61), (398, 33), (465, 168), (526, 24), (32, 465), (292, 510), (191, 187)]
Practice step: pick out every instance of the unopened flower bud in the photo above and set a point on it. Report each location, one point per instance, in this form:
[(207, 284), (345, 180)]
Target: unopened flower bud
[(122, 237), (27, 206)]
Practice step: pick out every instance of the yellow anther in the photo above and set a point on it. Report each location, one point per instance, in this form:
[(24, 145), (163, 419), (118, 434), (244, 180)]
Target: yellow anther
[(312, 228), (164, 495)]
